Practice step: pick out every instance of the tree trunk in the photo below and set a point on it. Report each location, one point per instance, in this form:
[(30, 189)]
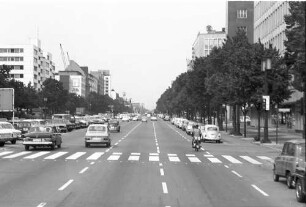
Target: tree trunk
[(244, 123), (220, 118), (234, 120), (238, 120), (258, 125)]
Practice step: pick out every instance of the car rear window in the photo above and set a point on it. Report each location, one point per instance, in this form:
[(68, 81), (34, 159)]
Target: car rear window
[(41, 129), (97, 128), (212, 129)]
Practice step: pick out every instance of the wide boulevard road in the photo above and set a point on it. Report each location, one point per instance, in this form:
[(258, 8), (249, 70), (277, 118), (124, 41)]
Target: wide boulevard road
[(148, 164)]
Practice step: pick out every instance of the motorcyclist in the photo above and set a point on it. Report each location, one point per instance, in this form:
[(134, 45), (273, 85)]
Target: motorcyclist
[(196, 135)]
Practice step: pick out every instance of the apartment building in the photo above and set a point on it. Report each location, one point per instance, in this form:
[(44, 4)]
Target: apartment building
[(29, 63)]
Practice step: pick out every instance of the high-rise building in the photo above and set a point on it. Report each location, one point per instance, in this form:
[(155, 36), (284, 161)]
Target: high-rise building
[(240, 16), (269, 24), (107, 82), (93, 83), (29, 63), (99, 75), (204, 42)]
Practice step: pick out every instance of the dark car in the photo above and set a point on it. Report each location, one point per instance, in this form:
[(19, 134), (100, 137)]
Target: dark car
[(113, 125), (300, 176), (285, 164), (23, 126), (41, 136)]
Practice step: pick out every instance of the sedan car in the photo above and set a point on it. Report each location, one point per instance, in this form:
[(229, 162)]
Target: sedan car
[(144, 119), (286, 163), (153, 118), (8, 133), (113, 125), (210, 133), (97, 134), (41, 136)]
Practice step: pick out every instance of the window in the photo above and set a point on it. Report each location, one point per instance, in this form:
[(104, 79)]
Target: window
[(35, 60), (243, 28), (35, 76), (242, 14), (35, 68)]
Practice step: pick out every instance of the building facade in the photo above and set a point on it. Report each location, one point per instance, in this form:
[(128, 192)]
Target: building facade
[(99, 77), (240, 16), (205, 42), (93, 83), (107, 82), (269, 23), (29, 63)]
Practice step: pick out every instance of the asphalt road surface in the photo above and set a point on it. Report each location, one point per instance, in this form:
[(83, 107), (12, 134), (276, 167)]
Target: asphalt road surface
[(148, 164)]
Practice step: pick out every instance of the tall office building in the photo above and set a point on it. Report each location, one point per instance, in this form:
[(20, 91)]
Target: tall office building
[(240, 16), (269, 24), (104, 81), (204, 42), (29, 63)]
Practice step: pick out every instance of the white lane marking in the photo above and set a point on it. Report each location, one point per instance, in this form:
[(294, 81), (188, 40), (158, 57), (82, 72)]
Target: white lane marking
[(214, 160), (172, 155), (117, 153), (42, 204), (158, 151), (226, 166), (236, 173), (116, 144), (208, 155), (119, 141), (113, 157), (92, 163), (156, 144), (134, 158), (95, 156), (190, 155), (194, 159), (17, 155), (56, 155), (261, 191), (135, 153), (107, 150), (265, 158), (66, 185), (5, 153), (154, 158), (153, 154), (251, 160), (75, 156), (174, 159), (82, 171), (165, 189), (231, 159), (162, 173), (160, 164), (36, 155)]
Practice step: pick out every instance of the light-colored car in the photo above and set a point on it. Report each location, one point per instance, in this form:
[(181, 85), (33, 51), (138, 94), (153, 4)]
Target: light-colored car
[(126, 118), (97, 134), (135, 118), (189, 128), (8, 133), (41, 136), (153, 118), (210, 132), (247, 119), (144, 119), (285, 164)]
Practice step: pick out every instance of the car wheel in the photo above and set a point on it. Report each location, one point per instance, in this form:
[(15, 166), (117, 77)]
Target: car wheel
[(59, 145), (1, 144), (13, 141), (26, 147), (300, 196), (289, 180), (275, 176), (86, 145)]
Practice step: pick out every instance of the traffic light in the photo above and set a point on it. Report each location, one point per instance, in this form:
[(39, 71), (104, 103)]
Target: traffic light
[(264, 104)]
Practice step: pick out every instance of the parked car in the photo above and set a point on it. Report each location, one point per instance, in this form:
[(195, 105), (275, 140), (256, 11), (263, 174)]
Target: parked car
[(8, 133), (300, 177), (210, 132), (97, 134), (42, 136), (189, 128), (153, 118), (247, 120), (285, 164), (113, 125), (126, 118), (167, 118)]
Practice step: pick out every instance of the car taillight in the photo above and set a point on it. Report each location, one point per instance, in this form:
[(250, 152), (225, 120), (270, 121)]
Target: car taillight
[(87, 138)]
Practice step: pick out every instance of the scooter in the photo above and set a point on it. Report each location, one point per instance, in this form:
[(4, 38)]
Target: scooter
[(196, 145)]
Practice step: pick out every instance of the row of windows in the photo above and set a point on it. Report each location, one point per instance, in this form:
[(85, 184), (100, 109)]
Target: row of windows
[(242, 14), (11, 50), (11, 58), (16, 75)]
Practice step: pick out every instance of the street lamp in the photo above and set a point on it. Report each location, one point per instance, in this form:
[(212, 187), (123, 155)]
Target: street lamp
[(225, 110), (45, 107), (265, 66)]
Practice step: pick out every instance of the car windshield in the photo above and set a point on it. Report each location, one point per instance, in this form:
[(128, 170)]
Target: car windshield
[(97, 128), (6, 126), (40, 129), (212, 129)]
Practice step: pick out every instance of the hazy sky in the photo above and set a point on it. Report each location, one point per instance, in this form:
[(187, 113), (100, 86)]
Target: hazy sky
[(143, 43)]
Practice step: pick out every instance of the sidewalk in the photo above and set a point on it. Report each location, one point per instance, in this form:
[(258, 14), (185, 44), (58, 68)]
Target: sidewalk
[(277, 140)]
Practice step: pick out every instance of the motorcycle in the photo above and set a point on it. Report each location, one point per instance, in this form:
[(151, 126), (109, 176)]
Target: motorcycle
[(196, 145)]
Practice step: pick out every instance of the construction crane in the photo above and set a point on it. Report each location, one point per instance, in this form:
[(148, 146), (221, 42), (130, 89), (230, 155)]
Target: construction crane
[(63, 57)]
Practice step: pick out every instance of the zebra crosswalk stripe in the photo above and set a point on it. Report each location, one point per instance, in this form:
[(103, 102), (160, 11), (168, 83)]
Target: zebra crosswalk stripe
[(194, 159), (56, 155), (113, 157), (133, 158), (95, 156), (231, 159), (5, 153), (17, 155), (251, 160), (214, 160), (39, 154), (75, 156)]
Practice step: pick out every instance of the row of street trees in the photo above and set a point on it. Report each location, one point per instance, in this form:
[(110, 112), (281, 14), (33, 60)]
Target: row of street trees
[(54, 98), (232, 75)]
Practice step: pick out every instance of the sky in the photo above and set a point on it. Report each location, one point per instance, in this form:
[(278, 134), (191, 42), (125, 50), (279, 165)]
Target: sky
[(144, 43)]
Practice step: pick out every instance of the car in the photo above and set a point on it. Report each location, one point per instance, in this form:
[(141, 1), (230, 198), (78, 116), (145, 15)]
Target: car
[(135, 118), (210, 132), (126, 118), (43, 136), (189, 128), (167, 118), (21, 125), (8, 133), (300, 177), (97, 134), (144, 119), (247, 120), (285, 164), (153, 118), (113, 125)]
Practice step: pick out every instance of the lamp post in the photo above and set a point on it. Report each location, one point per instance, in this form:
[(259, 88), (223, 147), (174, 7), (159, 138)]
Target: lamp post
[(45, 107), (225, 110), (265, 66)]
